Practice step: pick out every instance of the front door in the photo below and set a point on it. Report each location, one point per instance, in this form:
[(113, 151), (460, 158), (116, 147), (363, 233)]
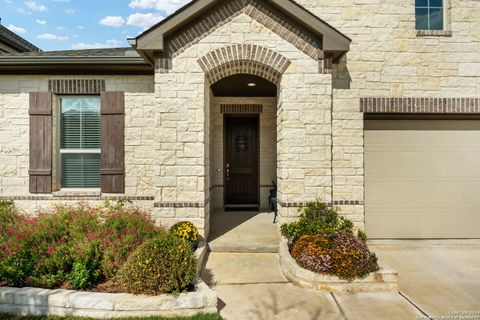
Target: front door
[(241, 161)]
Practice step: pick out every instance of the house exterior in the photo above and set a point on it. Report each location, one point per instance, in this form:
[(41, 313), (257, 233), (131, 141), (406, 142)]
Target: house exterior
[(370, 105)]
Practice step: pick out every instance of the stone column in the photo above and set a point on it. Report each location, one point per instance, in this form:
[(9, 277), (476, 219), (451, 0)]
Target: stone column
[(304, 141), (182, 146)]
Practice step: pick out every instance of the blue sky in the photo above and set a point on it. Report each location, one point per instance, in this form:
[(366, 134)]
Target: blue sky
[(83, 24)]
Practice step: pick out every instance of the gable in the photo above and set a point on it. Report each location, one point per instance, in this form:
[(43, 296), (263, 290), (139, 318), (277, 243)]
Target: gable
[(200, 18)]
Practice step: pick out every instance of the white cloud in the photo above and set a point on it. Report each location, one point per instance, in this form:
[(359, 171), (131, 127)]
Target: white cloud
[(144, 20), (42, 22), (169, 6), (71, 11), (60, 28), (32, 5), (81, 27), (112, 21), (49, 36), (107, 44), (16, 29)]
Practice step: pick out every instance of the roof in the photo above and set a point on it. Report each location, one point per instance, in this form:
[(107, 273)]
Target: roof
[(117, 60), (152, 40), (15, 42), (104, 52)]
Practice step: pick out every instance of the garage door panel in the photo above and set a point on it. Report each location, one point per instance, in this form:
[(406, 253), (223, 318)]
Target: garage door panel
[(422, 178)]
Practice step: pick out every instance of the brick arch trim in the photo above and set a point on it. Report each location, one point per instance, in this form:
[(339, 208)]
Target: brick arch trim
[(243, 58)]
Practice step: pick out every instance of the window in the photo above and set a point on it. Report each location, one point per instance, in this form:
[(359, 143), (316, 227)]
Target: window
[(80, 142), (429, 14)]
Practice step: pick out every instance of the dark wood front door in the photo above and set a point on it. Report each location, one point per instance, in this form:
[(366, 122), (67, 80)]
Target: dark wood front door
[(241, 161)]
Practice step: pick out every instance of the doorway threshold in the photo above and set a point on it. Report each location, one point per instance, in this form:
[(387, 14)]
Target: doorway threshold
[(241, 207)]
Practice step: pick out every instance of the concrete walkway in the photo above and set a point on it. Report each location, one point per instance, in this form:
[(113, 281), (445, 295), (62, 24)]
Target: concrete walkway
[(250, 286), (243, 269), (243, 232)]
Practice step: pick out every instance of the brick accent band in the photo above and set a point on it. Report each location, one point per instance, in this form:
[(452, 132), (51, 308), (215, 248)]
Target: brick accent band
[(243, 52), (434, 33), (245, 67), (180, 204), (76, 86), (335, 203), (241, 108), (78, 197), (420, 105)]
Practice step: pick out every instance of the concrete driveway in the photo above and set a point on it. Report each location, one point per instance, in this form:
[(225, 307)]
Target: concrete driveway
[(438, 279), (434, 281), (243, 268)]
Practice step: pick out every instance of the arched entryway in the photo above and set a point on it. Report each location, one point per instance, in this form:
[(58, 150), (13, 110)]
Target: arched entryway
[(242, 84), (242, 90)]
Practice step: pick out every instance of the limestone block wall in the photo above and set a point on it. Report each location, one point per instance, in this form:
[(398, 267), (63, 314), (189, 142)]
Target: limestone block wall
[(304, 140), (268, 147), (140, 160), (388, 58)]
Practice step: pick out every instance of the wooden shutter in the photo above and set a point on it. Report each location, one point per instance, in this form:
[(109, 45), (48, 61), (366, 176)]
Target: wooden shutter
[(113, 142), (40, 170)]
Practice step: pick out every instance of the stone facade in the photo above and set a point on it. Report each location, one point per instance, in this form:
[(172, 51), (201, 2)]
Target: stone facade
[(173, 123), (388, 58), (303, 123), (140, 160)]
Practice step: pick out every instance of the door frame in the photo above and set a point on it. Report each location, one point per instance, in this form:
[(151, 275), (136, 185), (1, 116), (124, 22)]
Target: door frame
[(257, 120)]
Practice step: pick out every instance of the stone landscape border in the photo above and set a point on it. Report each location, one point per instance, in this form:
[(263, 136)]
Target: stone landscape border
[(60, 302), (383, 280)]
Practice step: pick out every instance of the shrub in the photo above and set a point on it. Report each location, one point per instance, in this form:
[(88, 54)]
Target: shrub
[(70, 246), (124, 230), (164, 264), (16, 260), (8, 212), (185, 230), (339, 254), (316, 217), (362, 235)]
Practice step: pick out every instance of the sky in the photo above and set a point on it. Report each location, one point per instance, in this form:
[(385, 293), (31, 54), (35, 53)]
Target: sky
[(83, 24)]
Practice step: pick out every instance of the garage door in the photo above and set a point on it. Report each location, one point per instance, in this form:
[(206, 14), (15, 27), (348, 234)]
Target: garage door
[(422, 178)]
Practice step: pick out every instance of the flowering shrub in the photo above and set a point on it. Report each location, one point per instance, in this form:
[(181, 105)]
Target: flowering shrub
[(70, 246), (339, 254), (8, 212), (316, 217), (164, 264), (123, 231), (185, 230), (322, 241)]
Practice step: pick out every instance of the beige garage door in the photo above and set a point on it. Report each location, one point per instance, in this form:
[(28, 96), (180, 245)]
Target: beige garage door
[(422, 178)]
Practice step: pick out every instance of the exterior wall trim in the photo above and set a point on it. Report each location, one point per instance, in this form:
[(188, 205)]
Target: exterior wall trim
[(420, 105), (434, 33), (76, 86), (334, 203), (78, 197), (241, 108), (297, 25), (180, 204), (243, 58)]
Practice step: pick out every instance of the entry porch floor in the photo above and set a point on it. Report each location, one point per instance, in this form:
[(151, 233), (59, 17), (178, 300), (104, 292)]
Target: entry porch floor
[(243, 231)]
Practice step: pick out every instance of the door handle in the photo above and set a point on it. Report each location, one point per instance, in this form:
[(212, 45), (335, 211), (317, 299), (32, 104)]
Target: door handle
[(227, 171)]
